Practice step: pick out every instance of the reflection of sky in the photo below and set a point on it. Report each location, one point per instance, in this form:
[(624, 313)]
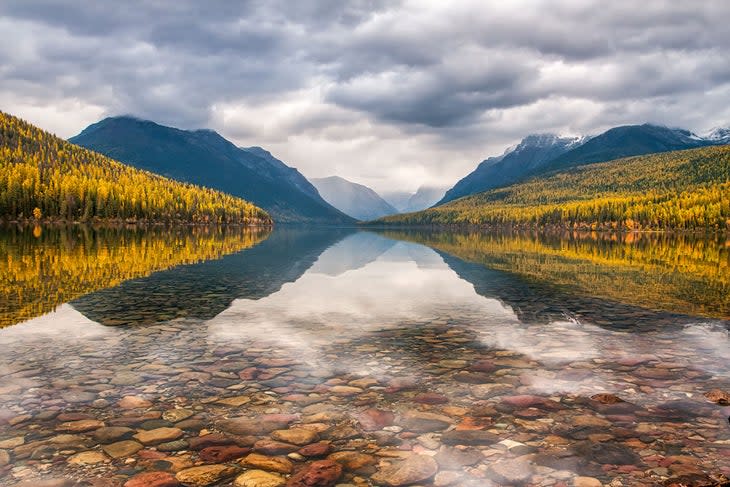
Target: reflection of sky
[(390, 290)]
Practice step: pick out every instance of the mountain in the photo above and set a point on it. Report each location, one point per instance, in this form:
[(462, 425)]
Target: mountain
[(537, 154), (679, 190), (353, 199), (425, 197), (625, 141), (532, 153), (406, 201), (398, 199), (719, 135), (204, 157), (43, 176)]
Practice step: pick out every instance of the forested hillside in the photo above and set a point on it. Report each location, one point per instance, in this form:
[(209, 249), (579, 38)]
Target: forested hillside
[(681, 190), (43, 176)]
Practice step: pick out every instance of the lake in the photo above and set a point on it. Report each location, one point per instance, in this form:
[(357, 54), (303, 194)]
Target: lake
[(404, 357)]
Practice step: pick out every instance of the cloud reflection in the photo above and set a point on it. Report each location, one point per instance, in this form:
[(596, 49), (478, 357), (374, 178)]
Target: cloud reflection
[(409, 284)]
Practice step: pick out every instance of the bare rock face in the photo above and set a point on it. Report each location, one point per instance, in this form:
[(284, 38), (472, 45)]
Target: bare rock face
[(375, 419), (296, 436), (414, 469), (424, 422), (322, 473), (221, 454)]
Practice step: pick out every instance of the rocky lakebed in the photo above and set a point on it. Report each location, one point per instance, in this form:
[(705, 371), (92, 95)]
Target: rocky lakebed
[(423, 403)]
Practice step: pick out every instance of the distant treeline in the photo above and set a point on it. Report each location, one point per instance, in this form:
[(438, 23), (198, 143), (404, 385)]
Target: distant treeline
[(45, 177), (681, 190)]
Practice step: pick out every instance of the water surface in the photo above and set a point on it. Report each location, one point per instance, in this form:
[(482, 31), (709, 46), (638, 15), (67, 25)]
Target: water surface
[(498, 357)]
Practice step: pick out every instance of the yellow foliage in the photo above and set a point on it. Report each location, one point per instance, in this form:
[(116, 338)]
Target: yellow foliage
[(66, 182)]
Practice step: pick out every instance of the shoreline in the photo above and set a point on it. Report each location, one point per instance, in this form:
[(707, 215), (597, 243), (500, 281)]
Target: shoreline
[(127, 223), (542, 228)]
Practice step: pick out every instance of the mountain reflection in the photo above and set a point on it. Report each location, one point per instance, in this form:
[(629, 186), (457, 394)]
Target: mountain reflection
[(615, 280), (207, 288), (42, 268)]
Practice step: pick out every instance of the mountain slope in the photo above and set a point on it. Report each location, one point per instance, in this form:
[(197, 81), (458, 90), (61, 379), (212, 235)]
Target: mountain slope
[(204, 157), (353, 199), (424, 197), (42, 175), (687, 189)]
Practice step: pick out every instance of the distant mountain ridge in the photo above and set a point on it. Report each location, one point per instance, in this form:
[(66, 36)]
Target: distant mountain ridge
[(204, 157), (424, 197), (353, 199), (542, 153)]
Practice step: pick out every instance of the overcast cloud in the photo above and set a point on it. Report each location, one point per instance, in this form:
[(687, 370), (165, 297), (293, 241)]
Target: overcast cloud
[(388, 94)]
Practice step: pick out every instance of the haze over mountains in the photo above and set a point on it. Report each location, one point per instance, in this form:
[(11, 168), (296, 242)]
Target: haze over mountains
[(205, 158), (353, 199), (537, 154), (424, 197)]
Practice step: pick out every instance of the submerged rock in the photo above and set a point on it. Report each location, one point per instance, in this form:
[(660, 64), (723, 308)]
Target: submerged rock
[(259, 478), (718, 397), (152, 479), (414, 469), (322, 473), (204, 475)]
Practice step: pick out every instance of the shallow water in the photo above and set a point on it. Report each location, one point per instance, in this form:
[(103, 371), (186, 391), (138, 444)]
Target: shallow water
[(477, 355)]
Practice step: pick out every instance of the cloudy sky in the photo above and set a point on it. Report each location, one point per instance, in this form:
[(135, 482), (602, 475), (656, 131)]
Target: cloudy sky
[(389, 94)]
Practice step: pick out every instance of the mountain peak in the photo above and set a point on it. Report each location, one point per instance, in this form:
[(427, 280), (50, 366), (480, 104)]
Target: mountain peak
[(546, 140), (719, 135)]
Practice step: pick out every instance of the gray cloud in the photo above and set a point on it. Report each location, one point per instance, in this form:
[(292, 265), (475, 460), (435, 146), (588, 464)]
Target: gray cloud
[(392, 94)]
